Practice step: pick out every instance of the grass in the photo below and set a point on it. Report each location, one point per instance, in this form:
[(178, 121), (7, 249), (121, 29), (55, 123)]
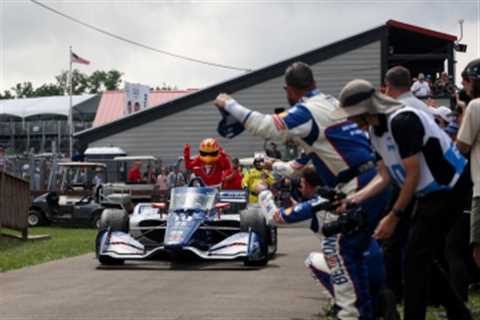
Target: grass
[(63, 242)]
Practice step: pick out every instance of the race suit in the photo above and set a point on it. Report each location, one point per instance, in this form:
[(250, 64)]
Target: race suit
[(319, 263), (342, 155), (211, 174), (252, 179)]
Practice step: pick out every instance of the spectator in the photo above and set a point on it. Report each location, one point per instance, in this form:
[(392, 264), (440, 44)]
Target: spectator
[(99, 177), (468, 140), (162, 180), (420, 88), (176, 178), (397, 82), (134, 174), (150, 175), (234, 180), (443, 86)]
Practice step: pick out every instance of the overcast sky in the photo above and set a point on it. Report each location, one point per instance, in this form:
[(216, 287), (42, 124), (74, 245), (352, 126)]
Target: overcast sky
[(249, 34)]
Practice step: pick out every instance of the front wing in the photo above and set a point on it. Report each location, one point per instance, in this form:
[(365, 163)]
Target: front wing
[(120, 245)]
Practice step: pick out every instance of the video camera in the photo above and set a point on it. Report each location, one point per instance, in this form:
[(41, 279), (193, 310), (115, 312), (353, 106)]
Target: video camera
[(354, 219)]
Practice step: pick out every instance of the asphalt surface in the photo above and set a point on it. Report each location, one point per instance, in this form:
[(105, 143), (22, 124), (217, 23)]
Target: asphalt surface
[(77, 288)]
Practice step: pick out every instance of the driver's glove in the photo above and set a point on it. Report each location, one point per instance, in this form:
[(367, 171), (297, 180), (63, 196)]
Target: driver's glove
[(267, 203)]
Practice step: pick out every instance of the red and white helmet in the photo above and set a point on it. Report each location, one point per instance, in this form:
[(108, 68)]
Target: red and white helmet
[(209, 150)]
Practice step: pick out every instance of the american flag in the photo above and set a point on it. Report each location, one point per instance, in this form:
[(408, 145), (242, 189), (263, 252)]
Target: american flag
[(77, 59)]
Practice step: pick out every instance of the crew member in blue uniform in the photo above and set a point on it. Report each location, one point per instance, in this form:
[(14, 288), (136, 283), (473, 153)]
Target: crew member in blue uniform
[(342, 156)]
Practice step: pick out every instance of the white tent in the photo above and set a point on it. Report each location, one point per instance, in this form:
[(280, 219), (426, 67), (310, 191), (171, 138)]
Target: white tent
[(28, 107)]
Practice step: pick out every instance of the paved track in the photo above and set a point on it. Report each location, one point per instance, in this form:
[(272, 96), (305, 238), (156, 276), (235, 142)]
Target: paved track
[(77, 289)]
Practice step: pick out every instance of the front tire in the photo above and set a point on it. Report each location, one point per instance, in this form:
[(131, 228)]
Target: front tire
[(95, 221), (252, 219), (110, 221), (36, 218), (115, 220)]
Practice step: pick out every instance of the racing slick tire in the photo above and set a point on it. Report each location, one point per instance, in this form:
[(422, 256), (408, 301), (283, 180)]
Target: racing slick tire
[(36, 218), (115, 220), (254, 220)]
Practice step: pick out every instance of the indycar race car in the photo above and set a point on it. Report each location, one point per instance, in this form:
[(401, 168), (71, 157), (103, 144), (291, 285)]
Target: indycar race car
[(194, 224)]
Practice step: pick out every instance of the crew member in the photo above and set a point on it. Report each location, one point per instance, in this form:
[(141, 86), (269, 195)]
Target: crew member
[(341, 154), (255, 176), (316, 262), (212, 165), (423, 161)]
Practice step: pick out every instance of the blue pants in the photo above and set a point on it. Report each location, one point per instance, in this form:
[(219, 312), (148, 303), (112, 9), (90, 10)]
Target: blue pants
[(348, 266)]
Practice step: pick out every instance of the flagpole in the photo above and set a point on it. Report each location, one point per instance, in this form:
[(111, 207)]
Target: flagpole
[(70, 110)]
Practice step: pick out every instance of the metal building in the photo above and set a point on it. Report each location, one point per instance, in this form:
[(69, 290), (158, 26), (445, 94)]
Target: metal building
[(162, 131)]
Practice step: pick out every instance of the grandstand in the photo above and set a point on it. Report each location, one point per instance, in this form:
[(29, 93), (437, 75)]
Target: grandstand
[(40, 124)]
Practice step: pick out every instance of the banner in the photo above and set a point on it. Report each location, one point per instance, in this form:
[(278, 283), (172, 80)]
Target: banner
[(136, 97)]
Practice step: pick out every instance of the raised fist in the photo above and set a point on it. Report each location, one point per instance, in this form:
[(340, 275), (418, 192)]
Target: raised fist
[(221, 100)]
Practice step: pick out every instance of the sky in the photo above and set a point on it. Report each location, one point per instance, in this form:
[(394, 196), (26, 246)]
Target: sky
[(34, 42)]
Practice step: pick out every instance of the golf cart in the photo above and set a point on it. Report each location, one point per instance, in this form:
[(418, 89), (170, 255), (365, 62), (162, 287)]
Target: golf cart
[(72, 190), (138, 191)]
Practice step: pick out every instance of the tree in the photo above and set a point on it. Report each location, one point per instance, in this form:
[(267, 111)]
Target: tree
[(23, 90), (79, 82), (113, 79), (49, 90), (96, 80), (6, 95)]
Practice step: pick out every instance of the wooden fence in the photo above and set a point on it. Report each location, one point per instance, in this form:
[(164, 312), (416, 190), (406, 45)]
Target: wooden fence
[(14, 203)]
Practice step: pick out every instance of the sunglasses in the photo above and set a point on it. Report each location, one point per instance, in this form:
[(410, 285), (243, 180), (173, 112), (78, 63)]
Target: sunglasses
[(209, 154)]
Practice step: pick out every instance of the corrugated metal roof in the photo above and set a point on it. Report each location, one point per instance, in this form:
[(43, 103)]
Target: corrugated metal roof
[(112, 103)]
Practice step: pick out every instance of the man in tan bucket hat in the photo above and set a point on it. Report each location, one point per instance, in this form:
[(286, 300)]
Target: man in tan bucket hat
[(421, 159)]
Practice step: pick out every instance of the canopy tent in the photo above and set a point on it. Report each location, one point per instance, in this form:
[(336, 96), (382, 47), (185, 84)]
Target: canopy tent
[(30, 107)]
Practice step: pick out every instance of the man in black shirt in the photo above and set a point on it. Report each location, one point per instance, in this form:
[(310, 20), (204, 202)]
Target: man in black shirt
[(421, 159)]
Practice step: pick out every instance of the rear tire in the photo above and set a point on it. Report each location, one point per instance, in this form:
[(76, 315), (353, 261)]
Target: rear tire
[(252, 219), (115, 220), (36, 218)]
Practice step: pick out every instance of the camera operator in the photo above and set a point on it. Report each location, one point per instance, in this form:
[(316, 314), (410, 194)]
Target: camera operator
[(341, 154), (323, 223), (423, 161)]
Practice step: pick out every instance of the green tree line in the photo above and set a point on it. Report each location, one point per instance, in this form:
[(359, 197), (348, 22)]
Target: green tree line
[(82, 83)]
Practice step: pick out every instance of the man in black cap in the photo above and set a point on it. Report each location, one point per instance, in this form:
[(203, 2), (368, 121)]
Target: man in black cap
[(422, 160), (468, 140)]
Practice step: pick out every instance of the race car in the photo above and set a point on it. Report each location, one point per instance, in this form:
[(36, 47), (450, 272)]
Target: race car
[(194, 224)]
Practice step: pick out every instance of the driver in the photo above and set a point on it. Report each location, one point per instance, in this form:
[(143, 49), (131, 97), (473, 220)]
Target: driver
[(212, 165)]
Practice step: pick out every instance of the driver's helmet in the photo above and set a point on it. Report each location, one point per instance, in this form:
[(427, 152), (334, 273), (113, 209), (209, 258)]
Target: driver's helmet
[(209, 150)]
